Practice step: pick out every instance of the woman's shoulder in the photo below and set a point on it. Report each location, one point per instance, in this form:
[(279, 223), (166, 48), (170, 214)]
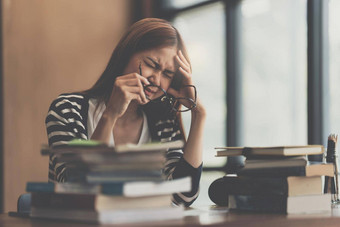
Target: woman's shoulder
[(75, 99)]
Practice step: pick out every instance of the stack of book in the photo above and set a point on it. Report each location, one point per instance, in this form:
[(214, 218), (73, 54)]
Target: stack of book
[(109, 185), (274, 179)]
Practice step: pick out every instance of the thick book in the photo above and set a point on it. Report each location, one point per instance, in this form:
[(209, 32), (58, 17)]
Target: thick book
[(112, 158), (281, 203), (127, 189), (276, 150), (111, 216), (288, 186), (103, 148), (99, 177), (311, 169), (97, 202), (278, 162)]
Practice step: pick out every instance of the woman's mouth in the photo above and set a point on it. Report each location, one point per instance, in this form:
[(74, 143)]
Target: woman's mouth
[(149, 92)]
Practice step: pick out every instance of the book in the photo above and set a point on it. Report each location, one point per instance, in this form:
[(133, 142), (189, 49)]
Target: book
[(97, 202), (93, 158), (103, 148), (98, 177), (275, 150), (127, 189), (278, 162), (288, 186), (111, 216), (311, 169), (281, 203)]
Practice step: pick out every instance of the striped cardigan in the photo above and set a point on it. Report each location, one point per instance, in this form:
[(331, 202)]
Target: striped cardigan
[(67, 119)]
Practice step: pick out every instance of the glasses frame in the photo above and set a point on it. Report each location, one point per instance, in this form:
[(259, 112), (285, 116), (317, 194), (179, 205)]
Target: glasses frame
[(172, 100)]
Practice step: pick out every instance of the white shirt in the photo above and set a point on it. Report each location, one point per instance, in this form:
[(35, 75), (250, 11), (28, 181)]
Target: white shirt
[(94, 116)]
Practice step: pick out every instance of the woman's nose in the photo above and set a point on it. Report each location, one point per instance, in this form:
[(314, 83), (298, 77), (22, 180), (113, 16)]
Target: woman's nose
[(155, 78)]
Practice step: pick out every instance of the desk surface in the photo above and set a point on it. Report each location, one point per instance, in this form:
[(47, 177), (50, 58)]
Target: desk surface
[(204, 216)]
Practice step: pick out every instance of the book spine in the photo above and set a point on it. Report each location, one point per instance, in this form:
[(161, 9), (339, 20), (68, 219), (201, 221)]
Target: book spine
[(222, 187), (116, 188), (258, 203), (253, 186), (274, 172), (40, 187), (63, 201)]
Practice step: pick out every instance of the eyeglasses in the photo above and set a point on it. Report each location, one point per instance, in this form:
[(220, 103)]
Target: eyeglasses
[(157, 94)]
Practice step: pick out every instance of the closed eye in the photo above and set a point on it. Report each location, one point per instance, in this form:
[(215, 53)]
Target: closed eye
[(151, 65), (167, 75)]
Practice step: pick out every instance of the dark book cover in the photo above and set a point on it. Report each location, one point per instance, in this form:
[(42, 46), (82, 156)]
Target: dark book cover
[(259, 203)]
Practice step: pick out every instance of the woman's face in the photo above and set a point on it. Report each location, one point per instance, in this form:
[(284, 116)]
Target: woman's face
[(157, 65)]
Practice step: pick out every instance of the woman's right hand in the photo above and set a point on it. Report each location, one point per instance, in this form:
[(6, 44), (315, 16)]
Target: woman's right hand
[(126, 88)]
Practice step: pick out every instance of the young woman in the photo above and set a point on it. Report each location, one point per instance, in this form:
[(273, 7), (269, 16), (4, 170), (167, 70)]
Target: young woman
[(117, 109)]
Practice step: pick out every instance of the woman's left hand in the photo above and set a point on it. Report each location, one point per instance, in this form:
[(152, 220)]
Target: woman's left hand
[(185, 71)]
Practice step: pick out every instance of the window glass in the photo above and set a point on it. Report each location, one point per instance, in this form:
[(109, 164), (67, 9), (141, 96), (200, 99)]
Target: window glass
[(274, 70), (203, 31), (334, 65), (178, 4)]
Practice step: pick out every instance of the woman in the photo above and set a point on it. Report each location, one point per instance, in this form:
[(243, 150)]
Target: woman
[(117, 109)]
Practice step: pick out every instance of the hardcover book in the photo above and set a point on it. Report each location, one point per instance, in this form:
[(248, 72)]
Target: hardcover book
[(127, 189), (311, 169), (281, 203), (288, 186), (111, 216), (276, 150)]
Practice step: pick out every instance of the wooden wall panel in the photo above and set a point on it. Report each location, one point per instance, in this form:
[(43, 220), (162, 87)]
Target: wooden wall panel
[(49, 47)]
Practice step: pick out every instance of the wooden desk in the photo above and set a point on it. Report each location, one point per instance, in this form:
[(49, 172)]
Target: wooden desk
[(204, 216)]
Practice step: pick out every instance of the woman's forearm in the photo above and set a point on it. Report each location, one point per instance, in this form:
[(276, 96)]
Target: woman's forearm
[(193, 150)]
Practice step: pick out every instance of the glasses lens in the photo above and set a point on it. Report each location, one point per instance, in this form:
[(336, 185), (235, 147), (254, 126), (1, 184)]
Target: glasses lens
[(187, 99), (154, 93), (183, 104)]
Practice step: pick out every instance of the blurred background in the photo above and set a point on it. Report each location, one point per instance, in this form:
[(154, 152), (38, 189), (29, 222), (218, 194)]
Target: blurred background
[(266, 71)]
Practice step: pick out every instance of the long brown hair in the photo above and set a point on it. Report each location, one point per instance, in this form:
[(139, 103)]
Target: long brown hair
[(143, 35)]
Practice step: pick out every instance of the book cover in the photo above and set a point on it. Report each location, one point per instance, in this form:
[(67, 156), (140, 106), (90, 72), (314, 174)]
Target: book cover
[(111, 216), (281, 203), (278, 162), (311, 169), (288, 186), (97, 202), (86, 146), (128, 189), (275, 150)]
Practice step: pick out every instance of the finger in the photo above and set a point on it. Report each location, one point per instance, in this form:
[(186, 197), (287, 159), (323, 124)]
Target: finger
[(184, 72), (136, 91), (183, 58), (143, 80), (133, 82), (138, 99), (182, 64), (135, 76)]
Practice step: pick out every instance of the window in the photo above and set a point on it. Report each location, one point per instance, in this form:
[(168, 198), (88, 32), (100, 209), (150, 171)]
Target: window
[(203, 31), (273, 63), (334, 65), (274, 69), (179, 4)]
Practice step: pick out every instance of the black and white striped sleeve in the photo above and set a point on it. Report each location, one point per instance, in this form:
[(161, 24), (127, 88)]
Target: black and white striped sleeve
[(176, 166), (66, 120)]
